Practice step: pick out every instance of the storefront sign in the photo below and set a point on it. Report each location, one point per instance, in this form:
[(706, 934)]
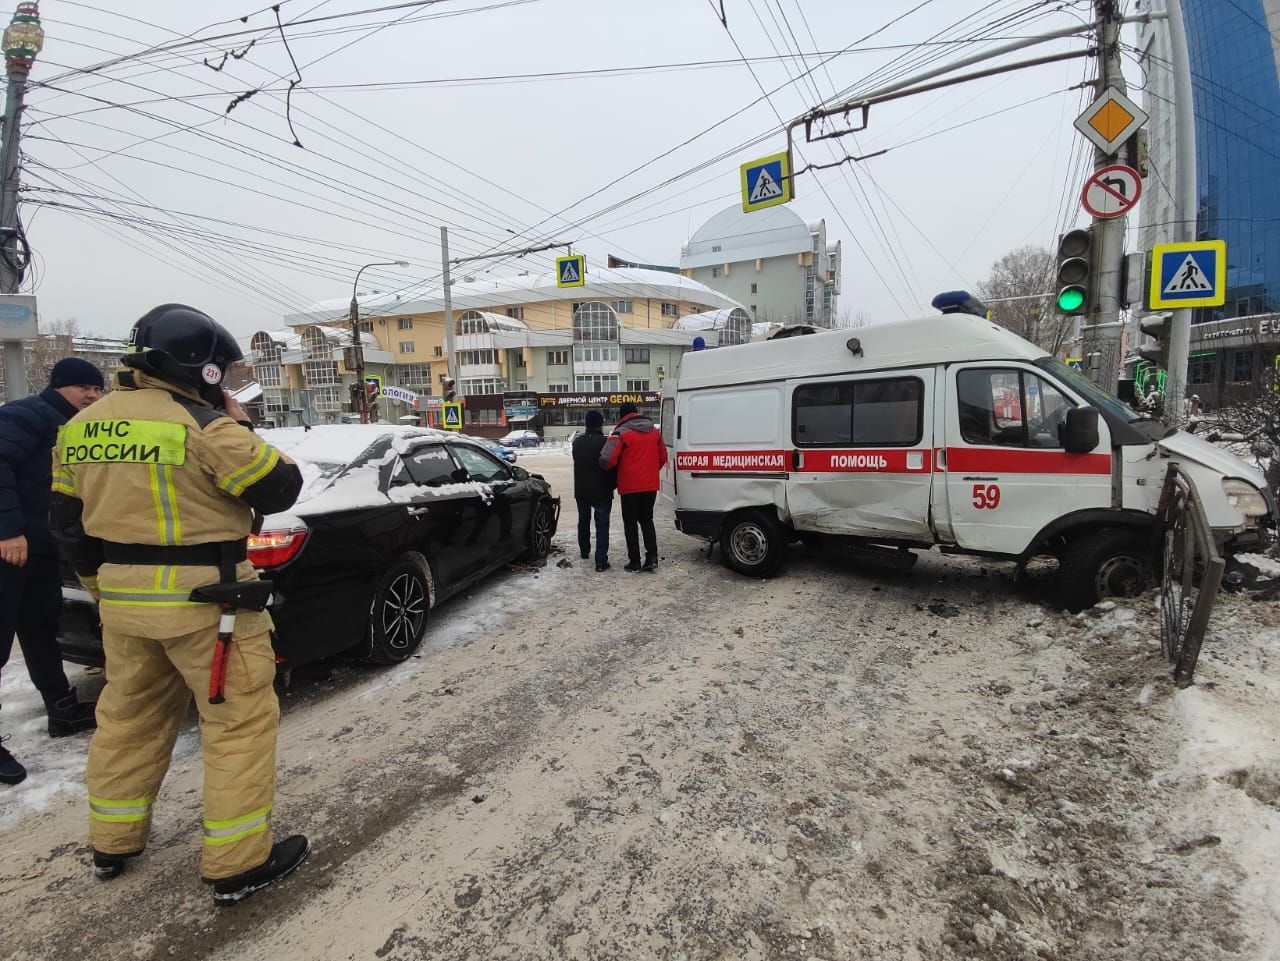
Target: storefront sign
[(589, 401), (520, 409)]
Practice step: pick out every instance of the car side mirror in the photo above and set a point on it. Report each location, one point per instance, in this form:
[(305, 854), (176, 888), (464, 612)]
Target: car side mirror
[(519, 473), (1078, 434)]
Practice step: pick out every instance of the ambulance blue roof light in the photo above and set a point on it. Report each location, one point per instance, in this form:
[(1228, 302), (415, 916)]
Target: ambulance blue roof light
[(960, 302)]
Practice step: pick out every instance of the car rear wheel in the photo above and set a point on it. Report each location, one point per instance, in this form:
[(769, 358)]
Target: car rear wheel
[(539, 533), (752, 543), (398, 616)]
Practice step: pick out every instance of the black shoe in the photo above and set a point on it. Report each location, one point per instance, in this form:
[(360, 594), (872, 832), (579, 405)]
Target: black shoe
[(602, 567), (650, 566), (633, 567), (286, 857), (108, 866), (67, 715), (586, 555), (11, 770)]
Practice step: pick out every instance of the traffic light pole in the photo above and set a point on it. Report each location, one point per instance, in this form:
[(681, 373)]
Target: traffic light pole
[(1185, 206), (1102, 334), (15, 368), (450, 358)]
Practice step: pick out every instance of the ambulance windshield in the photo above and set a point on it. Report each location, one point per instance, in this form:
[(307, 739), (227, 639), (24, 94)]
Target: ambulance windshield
[(1094, 394)]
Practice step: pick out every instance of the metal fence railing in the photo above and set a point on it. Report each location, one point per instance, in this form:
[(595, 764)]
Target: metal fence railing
[(1190, 572)]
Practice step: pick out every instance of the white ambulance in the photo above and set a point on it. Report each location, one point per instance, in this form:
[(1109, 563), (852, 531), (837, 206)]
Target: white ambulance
[(948, 431)]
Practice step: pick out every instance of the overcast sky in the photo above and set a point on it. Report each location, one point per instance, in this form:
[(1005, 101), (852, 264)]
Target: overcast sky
[(178, 200)]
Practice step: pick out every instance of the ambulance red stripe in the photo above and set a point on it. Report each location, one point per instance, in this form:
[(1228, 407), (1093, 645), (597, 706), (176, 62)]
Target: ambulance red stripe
[(986, 460)]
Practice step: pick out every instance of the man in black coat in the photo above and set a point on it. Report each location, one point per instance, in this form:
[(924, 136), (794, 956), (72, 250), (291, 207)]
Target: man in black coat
[(30, 579), (593, 489)]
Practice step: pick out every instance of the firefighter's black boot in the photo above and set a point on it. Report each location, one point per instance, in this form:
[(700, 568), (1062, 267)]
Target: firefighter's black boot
[(67, 715), (108, 866), (11, 770), (286, 857)]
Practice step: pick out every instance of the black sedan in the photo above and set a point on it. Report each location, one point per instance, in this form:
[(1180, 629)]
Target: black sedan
[(391, 521)]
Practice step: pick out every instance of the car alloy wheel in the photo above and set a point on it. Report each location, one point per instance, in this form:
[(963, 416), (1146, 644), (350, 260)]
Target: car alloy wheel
[(540, 532), (404, 609)]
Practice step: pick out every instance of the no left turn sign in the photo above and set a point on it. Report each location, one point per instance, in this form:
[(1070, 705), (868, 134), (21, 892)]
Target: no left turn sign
[(1112, 191)]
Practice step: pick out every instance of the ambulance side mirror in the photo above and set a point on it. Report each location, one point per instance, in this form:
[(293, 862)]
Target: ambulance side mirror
[(1078, 434)]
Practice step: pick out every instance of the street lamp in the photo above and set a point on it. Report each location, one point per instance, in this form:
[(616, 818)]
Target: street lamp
[(357, 349), (23, 38)]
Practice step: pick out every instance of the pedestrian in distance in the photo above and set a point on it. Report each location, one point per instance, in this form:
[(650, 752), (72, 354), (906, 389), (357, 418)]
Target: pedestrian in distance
[(636, 450), (30, 574), (154, 495), (593, 489)]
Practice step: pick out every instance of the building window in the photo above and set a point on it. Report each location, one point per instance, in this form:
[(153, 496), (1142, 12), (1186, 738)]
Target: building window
[(637, 355), (753, 289), (623, 307), (329, 398), (1200, 368), (482, 385), (594, 354), (595, 382), (275, 401), (406, 347), (477, 356), (716, 248), (516, 313), (869, 413), (670, 310), (405, 323), (557, 358), (366, 326), (638, 386), (595, 322), (472, 322), (715, 272), (268, 375), (1242, 366), (414, 375), (753, 310), (438, 352), (558, 388), (266, 350)]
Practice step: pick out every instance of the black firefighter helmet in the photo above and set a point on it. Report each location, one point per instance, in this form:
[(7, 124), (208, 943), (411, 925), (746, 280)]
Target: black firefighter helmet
[(183, 346)]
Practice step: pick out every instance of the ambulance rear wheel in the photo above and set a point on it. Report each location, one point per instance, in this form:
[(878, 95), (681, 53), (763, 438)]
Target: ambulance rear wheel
[(752, 543), (1102, 564)]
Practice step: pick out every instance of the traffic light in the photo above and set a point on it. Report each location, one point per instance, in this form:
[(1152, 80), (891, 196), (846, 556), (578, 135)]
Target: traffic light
[(1075, 272), (1157, 326), (450, 391)]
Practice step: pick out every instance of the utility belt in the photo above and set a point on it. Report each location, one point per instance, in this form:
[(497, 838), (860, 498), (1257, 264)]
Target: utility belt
[(215, 554)]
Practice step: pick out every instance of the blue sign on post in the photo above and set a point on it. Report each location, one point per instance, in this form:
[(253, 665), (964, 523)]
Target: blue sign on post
[(571, 271), (1188, 275), (766, 182)]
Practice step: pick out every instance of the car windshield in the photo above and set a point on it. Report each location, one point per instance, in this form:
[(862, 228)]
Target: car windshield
[(1094, 394)]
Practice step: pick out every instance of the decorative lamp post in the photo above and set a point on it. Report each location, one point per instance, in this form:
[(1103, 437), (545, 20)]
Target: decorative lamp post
[(357, 348), (23, 38)]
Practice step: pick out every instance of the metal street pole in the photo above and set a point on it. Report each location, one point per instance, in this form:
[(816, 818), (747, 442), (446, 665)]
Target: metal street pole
[(1186, 205), (23, 39), (450, 361), (357, 346), (1102, 336)]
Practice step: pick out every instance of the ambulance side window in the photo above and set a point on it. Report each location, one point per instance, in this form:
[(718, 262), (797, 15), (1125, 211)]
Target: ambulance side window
[(865, 413), (1009, 408)]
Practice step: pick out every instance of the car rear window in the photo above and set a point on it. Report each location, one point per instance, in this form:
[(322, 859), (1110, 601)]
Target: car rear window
[(431, 466)]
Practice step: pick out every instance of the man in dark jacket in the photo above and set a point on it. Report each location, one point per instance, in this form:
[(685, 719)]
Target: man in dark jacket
[(30, 580), (639, 455), (593, 489)]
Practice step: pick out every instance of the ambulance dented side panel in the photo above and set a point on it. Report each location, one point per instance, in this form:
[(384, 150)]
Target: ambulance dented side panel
[(731, 449)]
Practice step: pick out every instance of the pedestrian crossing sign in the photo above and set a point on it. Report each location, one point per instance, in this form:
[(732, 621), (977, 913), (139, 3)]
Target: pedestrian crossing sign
[(451, 415), (766, 182), (1190, 274), (571, 271)]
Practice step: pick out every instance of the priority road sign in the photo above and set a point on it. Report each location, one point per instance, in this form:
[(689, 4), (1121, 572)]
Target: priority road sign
[(766, 182), (1192, 274), (1112, 191), (571, 271), (452, 415), (1110, 120)]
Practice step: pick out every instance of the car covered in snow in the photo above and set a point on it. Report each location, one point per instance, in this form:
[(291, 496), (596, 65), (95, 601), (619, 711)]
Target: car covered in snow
[(391, 521), (521, 438)]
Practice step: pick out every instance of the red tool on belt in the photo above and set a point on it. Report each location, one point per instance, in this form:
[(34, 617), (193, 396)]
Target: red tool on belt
[(242, 595)]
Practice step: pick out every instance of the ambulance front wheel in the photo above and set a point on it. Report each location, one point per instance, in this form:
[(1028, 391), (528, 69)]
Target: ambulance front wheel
[(752, 543), (1105, 563)]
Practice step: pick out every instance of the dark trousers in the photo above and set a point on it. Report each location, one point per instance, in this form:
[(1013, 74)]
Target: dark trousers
[(637, 511), (30, 601), (600, 511)]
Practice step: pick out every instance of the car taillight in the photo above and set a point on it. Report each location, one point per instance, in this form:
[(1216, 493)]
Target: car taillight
[(276, 548)]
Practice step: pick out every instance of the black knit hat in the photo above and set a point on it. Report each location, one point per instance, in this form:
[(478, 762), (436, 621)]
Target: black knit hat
[(74, 372), (628, 408), (595, 420)]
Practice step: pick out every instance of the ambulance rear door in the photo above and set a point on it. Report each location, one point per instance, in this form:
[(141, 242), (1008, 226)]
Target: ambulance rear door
[(1006, 472), (862, 454)]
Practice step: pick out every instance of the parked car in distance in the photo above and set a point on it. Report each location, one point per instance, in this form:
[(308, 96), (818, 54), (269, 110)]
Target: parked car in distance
[(522, 438), (391, 521), (508, 454)]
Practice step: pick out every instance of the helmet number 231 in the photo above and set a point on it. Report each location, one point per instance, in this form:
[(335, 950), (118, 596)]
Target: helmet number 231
[(986, 497)]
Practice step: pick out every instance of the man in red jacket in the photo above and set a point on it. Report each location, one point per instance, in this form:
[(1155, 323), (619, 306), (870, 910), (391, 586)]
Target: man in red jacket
[(636, 450)]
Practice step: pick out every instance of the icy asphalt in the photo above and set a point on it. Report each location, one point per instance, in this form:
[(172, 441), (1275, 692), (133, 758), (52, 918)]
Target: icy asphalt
[(833, 764)]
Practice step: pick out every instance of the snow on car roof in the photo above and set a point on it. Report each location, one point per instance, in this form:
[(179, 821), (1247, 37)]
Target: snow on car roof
[(340, 443)]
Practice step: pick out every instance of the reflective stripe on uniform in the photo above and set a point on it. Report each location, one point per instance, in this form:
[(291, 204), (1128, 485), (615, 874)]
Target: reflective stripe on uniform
[(236, 482), (163, 597), (64, 482), (119, 812), (122, 441), (168, 523), (236, 829)]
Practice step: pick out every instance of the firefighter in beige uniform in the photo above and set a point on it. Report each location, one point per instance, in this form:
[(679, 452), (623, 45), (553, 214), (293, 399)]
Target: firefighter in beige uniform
[(154, 494)]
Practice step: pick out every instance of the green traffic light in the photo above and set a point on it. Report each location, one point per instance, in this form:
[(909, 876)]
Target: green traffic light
[(1070, 299)]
